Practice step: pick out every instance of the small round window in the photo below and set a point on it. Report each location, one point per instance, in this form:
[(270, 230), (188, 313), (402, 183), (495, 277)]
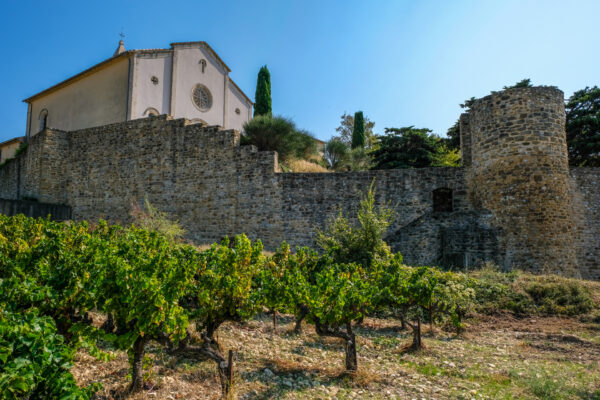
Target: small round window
[(237, 111), (201, 97)]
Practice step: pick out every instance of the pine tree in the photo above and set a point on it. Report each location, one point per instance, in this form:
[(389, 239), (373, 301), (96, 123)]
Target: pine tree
[(358, 133), (262, 97)]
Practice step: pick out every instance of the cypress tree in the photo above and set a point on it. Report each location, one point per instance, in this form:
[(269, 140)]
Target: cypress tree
[(262, 97), (358, 132)]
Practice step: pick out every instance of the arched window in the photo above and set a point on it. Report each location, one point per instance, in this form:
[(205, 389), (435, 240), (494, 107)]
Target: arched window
[(442, 200), (151, 112), (43, 119)]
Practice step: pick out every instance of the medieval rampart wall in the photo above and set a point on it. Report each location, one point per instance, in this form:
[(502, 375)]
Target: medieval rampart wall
[(517, 204)]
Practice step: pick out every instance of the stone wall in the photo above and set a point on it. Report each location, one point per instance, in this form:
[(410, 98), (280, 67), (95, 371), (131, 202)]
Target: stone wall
[(516, 204), (586, 201), (520, 173)]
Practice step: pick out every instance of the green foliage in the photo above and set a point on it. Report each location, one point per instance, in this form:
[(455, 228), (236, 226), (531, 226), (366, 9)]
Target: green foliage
[(22, 147), (524, 294), (358, 159), (583, 127), (408, 147), (262, 96), (336, 153), (279, 134), (152, 219), (447, 157), (339, 294), (144, 279), (453, 136), (521, 84), (225, 285), (360, 243), (34, 360), (358, 131), (346, 129)]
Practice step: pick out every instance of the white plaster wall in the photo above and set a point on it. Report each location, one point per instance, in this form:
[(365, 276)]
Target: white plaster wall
[(236, 100), (145, 93), (94, 100), (188, 73)]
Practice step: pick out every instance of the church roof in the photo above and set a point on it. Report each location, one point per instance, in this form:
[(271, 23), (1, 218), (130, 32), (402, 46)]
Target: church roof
[(120, 54)]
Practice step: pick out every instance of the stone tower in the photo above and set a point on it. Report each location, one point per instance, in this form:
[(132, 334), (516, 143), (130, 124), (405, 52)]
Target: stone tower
[(514, 142)]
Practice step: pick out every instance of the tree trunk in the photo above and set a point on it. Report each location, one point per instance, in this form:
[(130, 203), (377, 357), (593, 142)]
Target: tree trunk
[(417, 342), (300, 318), (431, 320), (274, 320), (402, 322), (137, 373), (349, 342), (351, 357), (225, 367)]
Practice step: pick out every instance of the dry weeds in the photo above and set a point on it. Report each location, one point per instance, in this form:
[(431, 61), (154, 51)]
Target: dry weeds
[(551, 358)]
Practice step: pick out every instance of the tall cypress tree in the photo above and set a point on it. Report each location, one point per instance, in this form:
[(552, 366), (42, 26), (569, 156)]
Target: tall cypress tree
[(262, 97), (358, 132)]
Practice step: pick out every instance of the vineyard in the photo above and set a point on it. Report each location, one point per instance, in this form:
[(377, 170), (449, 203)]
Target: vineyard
[(74, 289)]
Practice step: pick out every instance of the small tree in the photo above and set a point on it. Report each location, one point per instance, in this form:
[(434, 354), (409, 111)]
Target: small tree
[(358, 133), (346, 128), (336, 153), (262, 96), (335, 296), (361, 243), (225, 288), (407, 147), (269, 133)]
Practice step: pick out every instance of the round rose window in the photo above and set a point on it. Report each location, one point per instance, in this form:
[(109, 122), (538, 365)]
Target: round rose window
[(201, 97)]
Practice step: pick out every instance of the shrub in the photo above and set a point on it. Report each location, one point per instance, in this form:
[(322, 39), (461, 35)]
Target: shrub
[(336, 153), (361, 243), (34, 361), (279, 134), (150, 218), (559, 297)]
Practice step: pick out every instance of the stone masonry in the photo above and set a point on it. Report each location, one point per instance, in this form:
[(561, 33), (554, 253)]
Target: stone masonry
[(514, 202)]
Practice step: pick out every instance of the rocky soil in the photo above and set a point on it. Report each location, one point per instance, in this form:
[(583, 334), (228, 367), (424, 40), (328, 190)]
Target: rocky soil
[(498, 357)]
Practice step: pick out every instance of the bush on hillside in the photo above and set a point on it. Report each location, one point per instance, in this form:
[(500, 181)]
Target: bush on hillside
[(526, 294), (269, 133)]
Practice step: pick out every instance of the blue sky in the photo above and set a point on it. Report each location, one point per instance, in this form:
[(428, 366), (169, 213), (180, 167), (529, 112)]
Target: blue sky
[(401, 62)]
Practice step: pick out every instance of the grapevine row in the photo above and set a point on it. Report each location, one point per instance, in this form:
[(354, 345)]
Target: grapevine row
[(52, 275)]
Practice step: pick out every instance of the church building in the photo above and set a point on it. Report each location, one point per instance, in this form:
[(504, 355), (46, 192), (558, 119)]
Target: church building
[(188, 80)]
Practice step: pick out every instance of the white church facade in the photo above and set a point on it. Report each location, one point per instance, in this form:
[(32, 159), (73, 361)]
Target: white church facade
[(188, 80)]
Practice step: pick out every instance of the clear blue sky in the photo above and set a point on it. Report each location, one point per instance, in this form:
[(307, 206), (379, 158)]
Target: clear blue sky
[(401, 62)]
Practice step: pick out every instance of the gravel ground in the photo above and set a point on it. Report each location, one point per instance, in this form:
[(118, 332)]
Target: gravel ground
[(496, 358)]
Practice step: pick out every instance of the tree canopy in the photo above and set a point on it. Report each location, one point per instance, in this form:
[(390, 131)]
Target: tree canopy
[(583, 127), (346, 129), (262, 96), (358, 131), (408, 147)]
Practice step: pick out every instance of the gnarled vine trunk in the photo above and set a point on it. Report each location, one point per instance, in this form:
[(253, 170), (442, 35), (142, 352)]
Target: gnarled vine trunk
[(349, 345), (417, 342), (137, 377), (300, 318), (225, 367)]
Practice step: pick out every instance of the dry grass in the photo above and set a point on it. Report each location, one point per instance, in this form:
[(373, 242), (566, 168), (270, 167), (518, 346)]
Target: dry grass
[(297, 165), (555, 358)]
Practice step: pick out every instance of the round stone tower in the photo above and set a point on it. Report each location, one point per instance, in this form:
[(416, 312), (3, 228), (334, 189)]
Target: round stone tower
[(519, 171)]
